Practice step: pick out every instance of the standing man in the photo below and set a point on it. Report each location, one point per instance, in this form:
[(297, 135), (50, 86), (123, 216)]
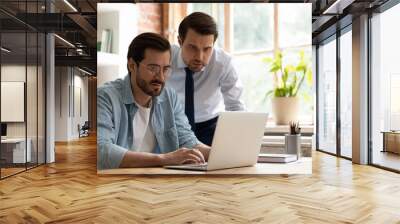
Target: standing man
[(203, 76)]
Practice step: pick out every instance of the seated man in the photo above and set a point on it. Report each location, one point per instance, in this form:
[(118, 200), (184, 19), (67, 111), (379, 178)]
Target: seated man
[(141, 123)]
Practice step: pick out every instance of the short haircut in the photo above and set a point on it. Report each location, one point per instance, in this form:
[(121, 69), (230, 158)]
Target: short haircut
[(199, 22), (147, 41)]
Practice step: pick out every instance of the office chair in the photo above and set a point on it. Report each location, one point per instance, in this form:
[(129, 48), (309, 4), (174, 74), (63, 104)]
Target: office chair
[(84, 130)]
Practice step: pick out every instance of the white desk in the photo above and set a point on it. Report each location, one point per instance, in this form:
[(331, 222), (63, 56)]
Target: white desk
[(16, 147), (302, 166)]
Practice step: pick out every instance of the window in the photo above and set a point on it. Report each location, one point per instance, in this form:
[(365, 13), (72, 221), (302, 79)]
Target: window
[(216, 10), (327, 97), (250, 50), (294, 27), (246, 31), (252, 27), (394, 101), (346, 94), (385, 84)]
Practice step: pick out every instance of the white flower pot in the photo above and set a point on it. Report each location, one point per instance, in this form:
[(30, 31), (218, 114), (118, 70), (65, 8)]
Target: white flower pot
[(285, 109)]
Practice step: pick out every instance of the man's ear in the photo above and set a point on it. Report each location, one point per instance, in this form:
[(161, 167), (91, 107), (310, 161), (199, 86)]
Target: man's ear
[(180, 41), (131, 66)]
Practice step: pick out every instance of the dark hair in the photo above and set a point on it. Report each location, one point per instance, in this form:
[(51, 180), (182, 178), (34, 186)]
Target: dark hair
[(147, 41), (199, 22)]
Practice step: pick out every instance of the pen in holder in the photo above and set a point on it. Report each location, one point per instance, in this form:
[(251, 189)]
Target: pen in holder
[(292, 140)]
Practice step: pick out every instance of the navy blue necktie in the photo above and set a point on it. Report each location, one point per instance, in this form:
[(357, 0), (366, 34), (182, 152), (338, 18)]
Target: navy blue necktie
[(189, 97)]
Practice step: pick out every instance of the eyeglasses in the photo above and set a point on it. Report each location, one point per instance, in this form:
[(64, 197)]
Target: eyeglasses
[(156, 69)]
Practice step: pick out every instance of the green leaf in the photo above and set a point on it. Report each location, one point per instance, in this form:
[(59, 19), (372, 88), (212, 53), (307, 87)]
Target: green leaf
[(290, 77), (309, 77), (285, 76), (294, 82), (275, 68), (289, 68), (301, 67), (280, 92), (267, 60)]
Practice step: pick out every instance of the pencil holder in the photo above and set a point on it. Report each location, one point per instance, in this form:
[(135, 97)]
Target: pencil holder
[(292, 144)]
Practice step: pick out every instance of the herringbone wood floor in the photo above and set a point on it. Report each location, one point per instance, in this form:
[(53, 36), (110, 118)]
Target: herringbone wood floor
[(69, 191)]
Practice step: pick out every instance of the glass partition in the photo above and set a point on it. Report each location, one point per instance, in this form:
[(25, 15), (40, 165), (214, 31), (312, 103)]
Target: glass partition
[(22, 76), (31, 97), (385, 89), (14, 154), (346, 94), (41, 96), (327, 96)]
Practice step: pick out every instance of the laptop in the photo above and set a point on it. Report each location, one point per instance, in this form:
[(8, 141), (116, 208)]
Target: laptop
[(237, 142)]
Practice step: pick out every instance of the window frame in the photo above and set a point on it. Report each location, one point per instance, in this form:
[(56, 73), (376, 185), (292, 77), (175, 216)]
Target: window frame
[(336, 36)]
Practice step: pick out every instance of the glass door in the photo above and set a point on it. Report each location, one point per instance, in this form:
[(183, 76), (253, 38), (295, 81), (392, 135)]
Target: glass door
[(385, 89), (22, 69), (346, 93), (327, 96)]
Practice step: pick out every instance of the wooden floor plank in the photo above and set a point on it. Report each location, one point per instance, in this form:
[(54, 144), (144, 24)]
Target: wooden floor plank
[(70, 191)]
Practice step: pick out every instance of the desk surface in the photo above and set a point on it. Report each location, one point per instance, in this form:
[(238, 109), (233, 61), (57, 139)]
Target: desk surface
[(272, 129), (13, 140), (302, 166), (391, 132)]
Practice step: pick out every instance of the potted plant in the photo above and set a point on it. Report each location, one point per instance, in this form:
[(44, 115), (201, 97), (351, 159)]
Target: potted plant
[(288, 80)]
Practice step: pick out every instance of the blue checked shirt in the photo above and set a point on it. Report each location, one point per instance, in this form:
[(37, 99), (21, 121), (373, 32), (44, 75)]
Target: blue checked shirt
[(115, 112)]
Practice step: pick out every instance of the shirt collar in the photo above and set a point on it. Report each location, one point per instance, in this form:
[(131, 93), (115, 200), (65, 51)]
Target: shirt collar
[(180, 62), (127, 95), (142, 107)]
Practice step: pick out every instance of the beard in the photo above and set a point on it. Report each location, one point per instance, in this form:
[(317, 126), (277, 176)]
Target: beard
[(196, 66), (152, 87)]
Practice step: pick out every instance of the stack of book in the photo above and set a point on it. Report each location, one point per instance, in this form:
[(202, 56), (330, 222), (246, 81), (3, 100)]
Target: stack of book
[(276, 158)]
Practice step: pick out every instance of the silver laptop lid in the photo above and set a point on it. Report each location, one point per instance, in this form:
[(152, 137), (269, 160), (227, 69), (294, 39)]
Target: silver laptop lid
[(237, 139)]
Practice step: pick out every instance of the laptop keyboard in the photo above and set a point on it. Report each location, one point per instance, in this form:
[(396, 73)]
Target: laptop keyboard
[(197, 165)]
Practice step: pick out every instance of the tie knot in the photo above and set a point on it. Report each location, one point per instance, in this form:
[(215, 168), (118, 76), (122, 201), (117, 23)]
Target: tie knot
[(188, 71)]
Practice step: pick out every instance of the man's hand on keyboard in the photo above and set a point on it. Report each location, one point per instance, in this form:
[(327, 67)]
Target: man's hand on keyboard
[(182, 156)]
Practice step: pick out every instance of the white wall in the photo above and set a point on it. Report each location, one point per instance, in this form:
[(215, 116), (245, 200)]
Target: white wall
[(12, 100), (80, 84), (68, 83), (62, 81), (122, 20), (33, 127), (17, 73), (14, 73)]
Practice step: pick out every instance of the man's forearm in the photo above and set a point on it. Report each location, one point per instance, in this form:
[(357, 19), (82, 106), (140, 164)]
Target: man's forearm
[(140, 159)]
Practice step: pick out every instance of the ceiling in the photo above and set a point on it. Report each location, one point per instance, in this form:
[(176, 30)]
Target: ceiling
[(76, 20), (332, 15)]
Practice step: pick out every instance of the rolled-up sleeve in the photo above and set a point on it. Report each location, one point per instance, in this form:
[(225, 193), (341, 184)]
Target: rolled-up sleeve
[(231, 88), (109, 155), (186, 136)]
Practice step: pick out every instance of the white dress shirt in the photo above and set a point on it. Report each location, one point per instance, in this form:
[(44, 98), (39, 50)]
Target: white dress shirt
[(216, 87)]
